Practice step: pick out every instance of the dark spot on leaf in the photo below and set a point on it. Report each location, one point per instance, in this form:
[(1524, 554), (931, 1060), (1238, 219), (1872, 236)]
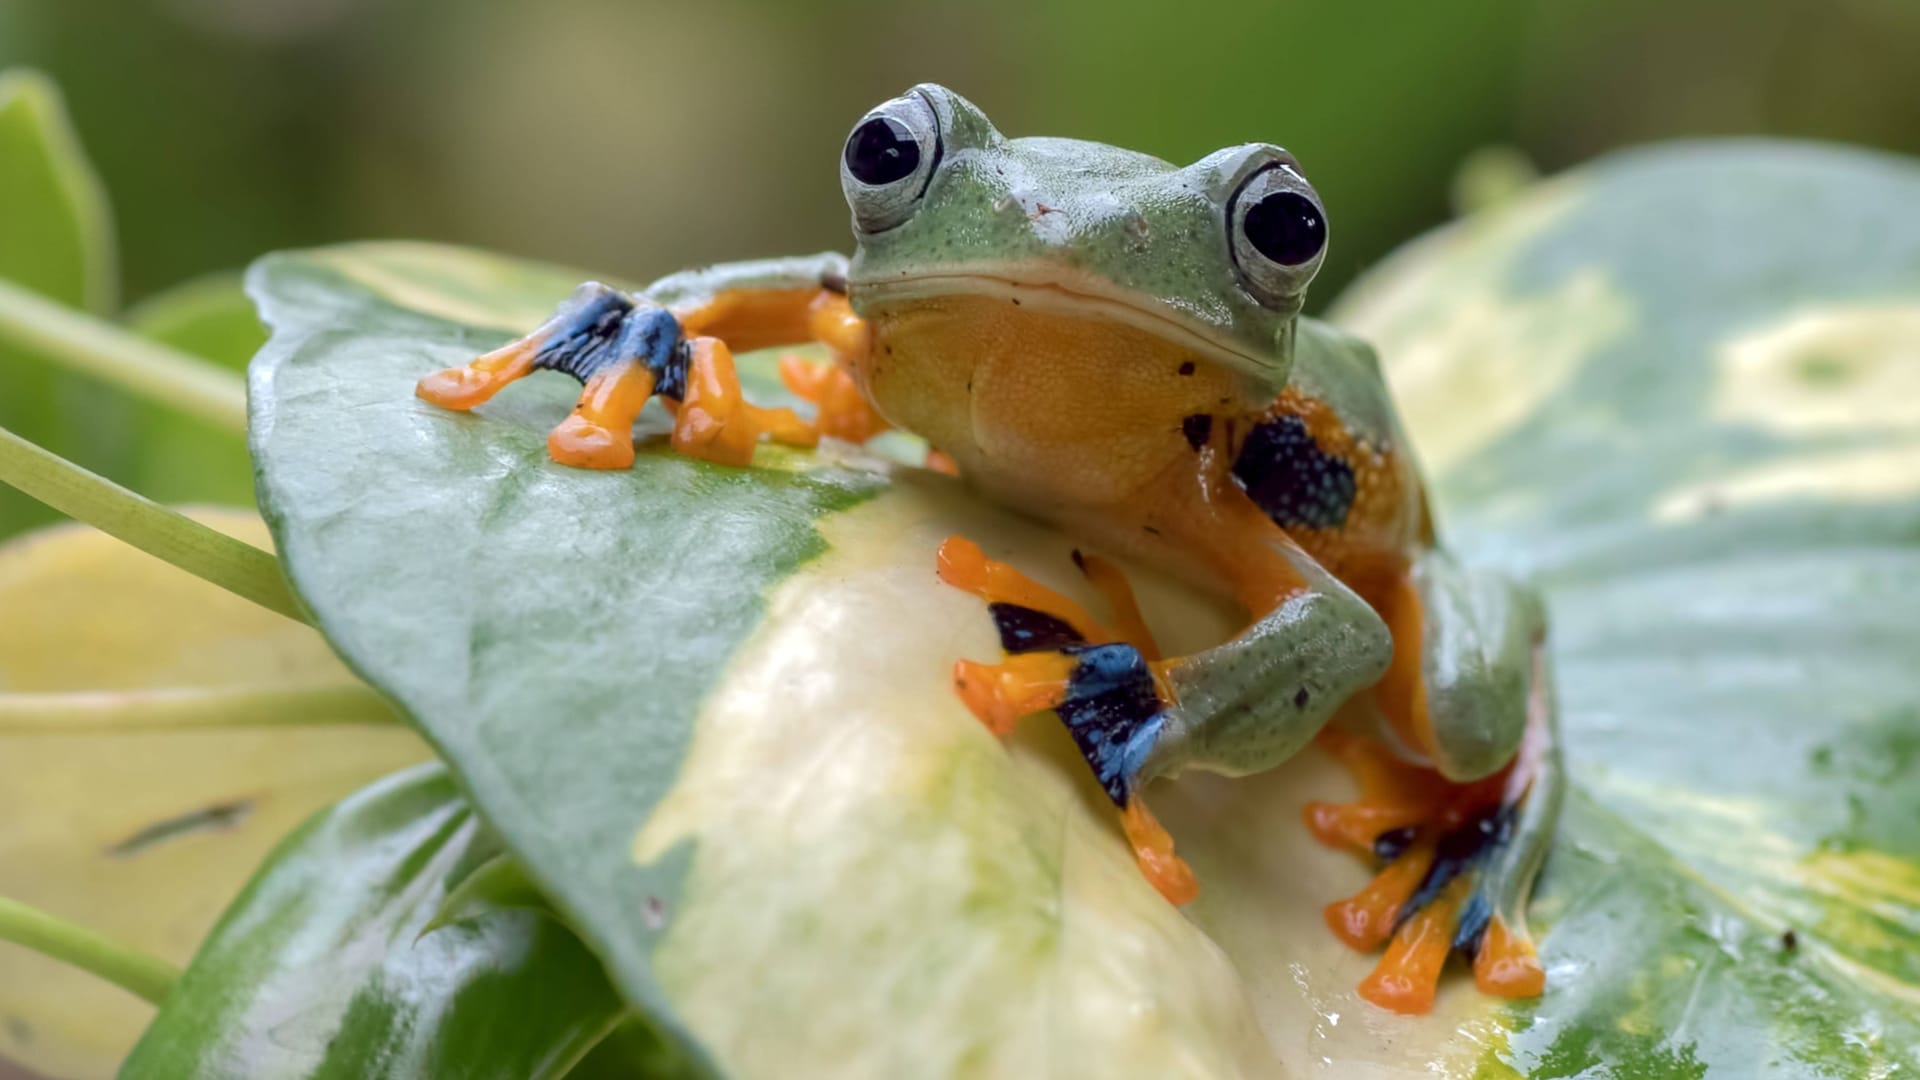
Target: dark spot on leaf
[(1079, 560), (1789, 940), (213, 818), (1301, 697), (1186, 368)]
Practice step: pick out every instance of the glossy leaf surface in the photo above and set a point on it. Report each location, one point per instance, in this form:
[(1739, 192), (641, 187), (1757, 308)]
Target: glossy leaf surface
[(325, 966)]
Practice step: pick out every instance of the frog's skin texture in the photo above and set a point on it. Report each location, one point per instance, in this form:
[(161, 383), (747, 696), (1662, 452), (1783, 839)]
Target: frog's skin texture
[(1113, 343)]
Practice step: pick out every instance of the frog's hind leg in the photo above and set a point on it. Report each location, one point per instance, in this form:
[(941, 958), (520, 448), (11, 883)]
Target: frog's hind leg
[(1463, 833), (1103, 686)]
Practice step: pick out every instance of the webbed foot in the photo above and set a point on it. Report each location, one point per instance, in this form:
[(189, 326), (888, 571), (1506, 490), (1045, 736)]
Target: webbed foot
[(1104, 685), (1459, 862), (624, 352)]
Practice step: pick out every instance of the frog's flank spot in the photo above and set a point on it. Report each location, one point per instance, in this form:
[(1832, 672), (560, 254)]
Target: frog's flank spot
[(1197, 428), (1292, 479)]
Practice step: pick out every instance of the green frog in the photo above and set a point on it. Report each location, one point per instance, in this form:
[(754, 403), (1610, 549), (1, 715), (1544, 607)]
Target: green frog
[(1113, 343)]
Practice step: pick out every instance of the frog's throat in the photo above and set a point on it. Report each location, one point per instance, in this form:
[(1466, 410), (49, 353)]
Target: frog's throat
[(1078, 297)]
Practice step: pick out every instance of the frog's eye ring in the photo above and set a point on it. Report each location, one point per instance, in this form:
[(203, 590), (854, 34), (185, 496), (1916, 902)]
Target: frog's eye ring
[(888, 162), (1278, 234)]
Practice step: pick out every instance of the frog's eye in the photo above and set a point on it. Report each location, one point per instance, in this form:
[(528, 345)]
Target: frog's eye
[(888, 162), (1278, 234)]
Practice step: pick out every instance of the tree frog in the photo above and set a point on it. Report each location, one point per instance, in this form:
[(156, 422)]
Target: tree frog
[(1114, 344)]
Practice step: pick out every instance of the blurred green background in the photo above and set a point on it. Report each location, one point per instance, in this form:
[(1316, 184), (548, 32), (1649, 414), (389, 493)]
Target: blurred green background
[(633, 138), (637, 137)]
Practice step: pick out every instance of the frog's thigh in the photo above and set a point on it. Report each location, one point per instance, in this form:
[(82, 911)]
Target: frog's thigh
[(1473, 636), (1254, 701)]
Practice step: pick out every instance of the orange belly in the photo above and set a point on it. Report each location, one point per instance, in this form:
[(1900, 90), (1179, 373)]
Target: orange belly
[(1104, 427), (1044, 408)]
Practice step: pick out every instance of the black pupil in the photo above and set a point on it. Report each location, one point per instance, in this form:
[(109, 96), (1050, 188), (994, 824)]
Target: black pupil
[(882, 151), (1287, 228)]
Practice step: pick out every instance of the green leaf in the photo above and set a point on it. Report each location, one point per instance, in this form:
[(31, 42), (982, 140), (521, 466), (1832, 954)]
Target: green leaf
[(103, 650), (1681, 389), (471, 503), (182, 461), (495, 885), (58, 233), (325, 966), (56, 238), (709, 710)]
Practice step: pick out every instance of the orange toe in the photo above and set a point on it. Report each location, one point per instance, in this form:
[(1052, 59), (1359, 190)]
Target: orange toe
[(1153, 850), (1407, 976), (1507, 965), (1365, 920), (583, 444), (459, 388)]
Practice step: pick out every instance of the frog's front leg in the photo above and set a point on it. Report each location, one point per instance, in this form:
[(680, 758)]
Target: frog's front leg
[(1463, 830), (676, 340), (1103, 683), (1240, 707)]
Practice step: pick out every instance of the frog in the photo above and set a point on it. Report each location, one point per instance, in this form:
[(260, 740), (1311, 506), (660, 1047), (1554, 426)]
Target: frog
[(1115, 345)]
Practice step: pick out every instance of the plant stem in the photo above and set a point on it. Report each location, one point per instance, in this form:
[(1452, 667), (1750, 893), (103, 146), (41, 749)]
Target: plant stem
[(208, 554), (187, 708), (144, 976), (106, 352)]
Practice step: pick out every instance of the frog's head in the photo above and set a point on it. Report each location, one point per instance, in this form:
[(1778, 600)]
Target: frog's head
[(1214, 256)]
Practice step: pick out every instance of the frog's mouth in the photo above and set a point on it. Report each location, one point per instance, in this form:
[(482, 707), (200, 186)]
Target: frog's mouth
[(1077, 296)]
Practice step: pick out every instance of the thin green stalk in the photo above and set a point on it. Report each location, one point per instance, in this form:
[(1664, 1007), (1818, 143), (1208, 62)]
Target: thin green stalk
[(188, 708), (146, 977), (98, 348), (208, 554)]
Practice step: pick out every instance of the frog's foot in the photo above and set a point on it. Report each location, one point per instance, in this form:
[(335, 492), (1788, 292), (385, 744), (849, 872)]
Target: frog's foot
[(624, 353), (1459, 861), (841, 411), (1102, 685)]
